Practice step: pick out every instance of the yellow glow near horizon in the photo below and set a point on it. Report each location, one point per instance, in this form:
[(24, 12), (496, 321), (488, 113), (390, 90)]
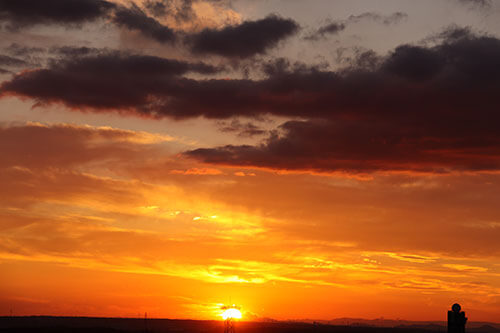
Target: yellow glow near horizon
[(231, 313)]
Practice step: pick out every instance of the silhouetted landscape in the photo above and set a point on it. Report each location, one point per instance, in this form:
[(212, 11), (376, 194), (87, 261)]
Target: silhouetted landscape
[(104, 325)]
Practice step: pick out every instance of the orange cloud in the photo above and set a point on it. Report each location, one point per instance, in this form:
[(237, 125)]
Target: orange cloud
[(197, 171)]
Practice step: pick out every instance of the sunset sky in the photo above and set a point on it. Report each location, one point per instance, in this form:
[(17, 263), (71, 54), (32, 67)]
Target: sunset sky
[(302, 159)]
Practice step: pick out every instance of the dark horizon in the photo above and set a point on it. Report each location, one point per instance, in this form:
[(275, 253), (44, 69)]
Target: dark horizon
[(158, 324), (343, 321)]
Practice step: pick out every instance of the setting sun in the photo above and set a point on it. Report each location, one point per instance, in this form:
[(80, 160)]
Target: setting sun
[(231, 313)]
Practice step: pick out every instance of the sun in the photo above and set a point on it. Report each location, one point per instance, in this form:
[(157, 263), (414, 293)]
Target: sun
[(231, 313)]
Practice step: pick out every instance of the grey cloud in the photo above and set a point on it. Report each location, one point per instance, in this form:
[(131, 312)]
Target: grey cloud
[(134, 18), (181, 10), (18, 50), (328, 29), (247, 129), (21, 13), (244, 40), (335, 27), (393, 18), (484, 4), (11, 61)]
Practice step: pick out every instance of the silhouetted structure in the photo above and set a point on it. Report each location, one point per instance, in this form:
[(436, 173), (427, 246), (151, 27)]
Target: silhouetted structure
[(456, 319), (229, 325)]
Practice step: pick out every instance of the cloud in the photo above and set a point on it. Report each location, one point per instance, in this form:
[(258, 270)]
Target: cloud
[(414, 62), (197, 172), (157, 8), (134, 18), (411, 78), (40, 146), (421, 108), (236, 41), (22, 57), (393, 18), (432, 111), (328, 29), (483, 4), (11, 61), (247, 129), (180, 10), (244, 40), (18, 50), (25, 13), (335, 27), (73, 51), (109, 80), (465, 268), (348, 146)]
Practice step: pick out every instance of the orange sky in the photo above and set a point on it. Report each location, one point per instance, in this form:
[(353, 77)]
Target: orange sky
[(106, 210), (110, 224)]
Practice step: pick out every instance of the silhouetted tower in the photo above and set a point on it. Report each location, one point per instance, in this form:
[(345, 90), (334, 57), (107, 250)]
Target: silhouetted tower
[(456, 319), (229, 325)]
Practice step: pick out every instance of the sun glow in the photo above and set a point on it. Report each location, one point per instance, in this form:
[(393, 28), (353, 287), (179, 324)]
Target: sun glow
[(231, 313)]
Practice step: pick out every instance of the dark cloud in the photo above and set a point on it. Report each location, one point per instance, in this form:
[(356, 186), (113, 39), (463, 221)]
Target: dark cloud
[(282, 66), (22, 57), (134, 18), (157, 8), (276, 66), (181, 11), (420, 108), (244, 40), (454, 75), (73, 12), (18, 50), (452, 33), (247, 129), (363, 147), (239, 41), (332, 28), (423, 109), (366, 59), (328, 29), (393, 18), (185, 12), (11, 62), (20, 13), (73, 52), (414, 62), (104, 81)]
